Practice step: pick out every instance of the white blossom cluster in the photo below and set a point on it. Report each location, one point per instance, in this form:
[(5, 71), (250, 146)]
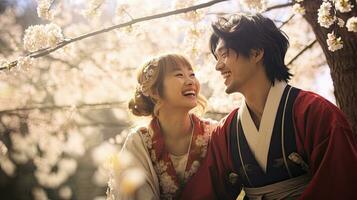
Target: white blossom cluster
[(5, 163), (351, 24), (48, 152), (43, 9), (93, 9), (42, 36), (23, 147), (258, 5), (3, 149), (193, 16), (7, 166), (192, 41), (25, 62), (121, 9), (39, 193), (65, 168), (101, 156), (74, 144), (123, 179), (51, 147), (108, 163), (65, 192), (298, 8), (131, 180), (340, 22), (324, 17), (343, 6), (334, 43)]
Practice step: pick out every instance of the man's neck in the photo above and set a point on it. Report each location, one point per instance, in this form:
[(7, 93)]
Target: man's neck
[(256, 96)]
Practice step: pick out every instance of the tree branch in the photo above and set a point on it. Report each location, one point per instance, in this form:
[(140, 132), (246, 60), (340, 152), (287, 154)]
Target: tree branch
[(45, 51), (301, 52), (62, 61), (59, 107), (51, 4), (266, 10), (287, 21), (278, 6)]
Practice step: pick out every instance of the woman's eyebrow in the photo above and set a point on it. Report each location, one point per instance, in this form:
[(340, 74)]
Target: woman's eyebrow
[(173, 70)]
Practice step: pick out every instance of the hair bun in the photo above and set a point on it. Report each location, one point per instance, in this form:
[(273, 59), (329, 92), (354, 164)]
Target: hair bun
[(141, 105)]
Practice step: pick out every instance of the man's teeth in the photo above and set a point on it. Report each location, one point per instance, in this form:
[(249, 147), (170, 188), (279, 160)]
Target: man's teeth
[(226, 74)]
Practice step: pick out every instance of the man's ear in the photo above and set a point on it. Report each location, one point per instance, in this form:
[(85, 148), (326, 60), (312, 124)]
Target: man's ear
[(257, 55)]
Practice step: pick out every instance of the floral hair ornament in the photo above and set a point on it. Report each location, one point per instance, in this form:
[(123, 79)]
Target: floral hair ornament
[(148, 73)]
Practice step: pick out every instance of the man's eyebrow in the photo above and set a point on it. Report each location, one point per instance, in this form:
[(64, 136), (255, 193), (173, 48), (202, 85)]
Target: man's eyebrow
[(219, 50)]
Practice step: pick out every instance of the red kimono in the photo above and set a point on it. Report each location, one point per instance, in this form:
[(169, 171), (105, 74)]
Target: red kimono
[(164, 175), (322, 137)]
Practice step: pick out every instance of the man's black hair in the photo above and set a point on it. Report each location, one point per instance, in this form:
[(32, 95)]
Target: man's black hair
[(244, 33)]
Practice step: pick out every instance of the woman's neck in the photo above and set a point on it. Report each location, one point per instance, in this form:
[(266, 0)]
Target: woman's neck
[(177, 130), (175, 124)]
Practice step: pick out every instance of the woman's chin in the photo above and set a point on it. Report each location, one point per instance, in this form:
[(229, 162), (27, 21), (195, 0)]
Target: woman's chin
[(191, 105)]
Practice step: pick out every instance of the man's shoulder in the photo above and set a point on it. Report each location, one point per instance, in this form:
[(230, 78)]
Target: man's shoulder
[(311, 104), (224, 124), (309, 100), (227, 120)]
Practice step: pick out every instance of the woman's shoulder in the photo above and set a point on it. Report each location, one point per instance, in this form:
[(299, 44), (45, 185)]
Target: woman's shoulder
[(137, 136)]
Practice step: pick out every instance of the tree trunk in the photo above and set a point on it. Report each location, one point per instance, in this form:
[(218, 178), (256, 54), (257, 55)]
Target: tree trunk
[(342, 63)]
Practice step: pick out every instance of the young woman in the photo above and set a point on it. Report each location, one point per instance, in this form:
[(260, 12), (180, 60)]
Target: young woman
[(171, 147)]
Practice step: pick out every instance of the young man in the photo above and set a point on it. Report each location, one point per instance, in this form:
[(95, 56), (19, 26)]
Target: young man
[(283, 142)]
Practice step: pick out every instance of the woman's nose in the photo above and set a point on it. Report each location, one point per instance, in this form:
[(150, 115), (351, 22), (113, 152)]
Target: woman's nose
[(189, 81)]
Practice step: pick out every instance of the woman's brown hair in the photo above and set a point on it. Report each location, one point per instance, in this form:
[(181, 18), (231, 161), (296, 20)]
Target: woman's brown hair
[(150, 81)]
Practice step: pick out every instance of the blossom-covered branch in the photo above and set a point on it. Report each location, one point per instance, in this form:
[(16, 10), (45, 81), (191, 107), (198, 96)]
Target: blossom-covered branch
[(45, 51), (279, 6), (59, 107), (302, 51), (287, 21), (263, 11)]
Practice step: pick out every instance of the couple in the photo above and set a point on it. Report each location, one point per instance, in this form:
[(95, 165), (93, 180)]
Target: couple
[(282, 143)]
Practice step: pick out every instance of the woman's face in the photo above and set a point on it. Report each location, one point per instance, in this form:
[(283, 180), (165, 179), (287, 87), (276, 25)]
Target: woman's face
[(180, 88)]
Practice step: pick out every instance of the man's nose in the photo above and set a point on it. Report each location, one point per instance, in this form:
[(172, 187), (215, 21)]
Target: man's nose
[(219, 66)]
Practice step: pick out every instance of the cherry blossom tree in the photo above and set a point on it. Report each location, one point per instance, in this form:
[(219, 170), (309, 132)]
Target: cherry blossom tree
[(67, 72)]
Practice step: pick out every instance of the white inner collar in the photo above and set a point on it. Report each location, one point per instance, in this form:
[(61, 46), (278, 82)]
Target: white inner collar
[(259, 140)]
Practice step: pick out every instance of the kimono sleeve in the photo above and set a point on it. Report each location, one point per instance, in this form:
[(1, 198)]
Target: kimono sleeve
[(139, 158), (326, 138)]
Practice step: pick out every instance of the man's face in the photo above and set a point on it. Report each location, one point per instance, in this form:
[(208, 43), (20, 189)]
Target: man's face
[(236, 69)]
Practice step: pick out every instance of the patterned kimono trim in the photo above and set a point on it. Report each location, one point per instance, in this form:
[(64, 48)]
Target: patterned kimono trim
[(170, 185)]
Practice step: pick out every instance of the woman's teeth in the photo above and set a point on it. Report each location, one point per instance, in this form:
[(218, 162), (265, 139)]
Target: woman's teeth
[(189, 93)]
